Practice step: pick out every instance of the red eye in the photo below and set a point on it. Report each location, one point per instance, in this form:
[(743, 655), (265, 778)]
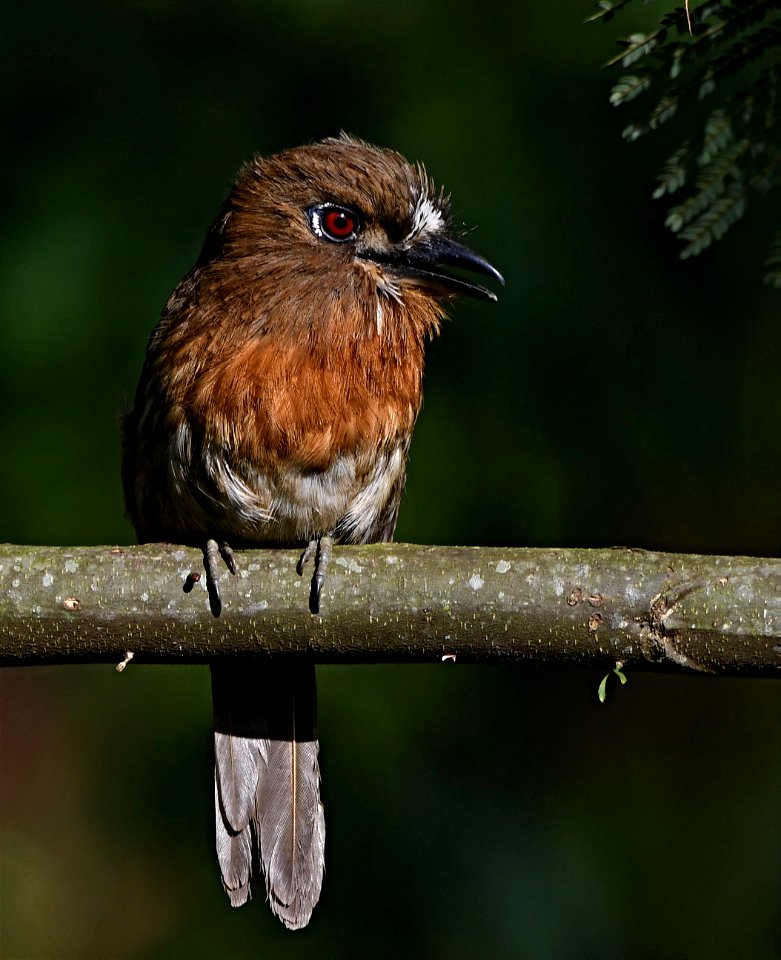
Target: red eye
[(334, 223)]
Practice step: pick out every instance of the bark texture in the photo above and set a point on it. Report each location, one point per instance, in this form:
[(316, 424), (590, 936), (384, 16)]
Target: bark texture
[(396, 602)]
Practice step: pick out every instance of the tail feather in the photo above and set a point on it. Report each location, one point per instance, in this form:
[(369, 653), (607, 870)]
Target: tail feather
[(235, 855), (267, 786), (236, 763), (292, 830)]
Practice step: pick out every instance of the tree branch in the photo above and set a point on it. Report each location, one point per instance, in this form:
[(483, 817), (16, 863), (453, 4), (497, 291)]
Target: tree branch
[(397, 602)]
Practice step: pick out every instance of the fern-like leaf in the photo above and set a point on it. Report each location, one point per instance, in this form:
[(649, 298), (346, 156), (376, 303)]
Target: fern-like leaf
[(675, 72), (606, 10), (710, 184), (773, 263), (718, 134), (675, 172), (714, 222), (628, 88)]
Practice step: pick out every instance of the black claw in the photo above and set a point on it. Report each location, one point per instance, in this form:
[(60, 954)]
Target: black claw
[(314, 597), (323, 555), (211, 555), (306, 556), (215, 600), (226, 552)]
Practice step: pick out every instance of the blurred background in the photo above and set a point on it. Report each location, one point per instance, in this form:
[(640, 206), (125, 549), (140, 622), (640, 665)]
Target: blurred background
[(613, 396)]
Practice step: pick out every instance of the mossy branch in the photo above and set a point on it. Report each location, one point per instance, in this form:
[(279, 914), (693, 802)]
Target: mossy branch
[(397, 602)]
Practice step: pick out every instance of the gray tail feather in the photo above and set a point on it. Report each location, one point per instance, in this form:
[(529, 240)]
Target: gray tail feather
[(269, 816)]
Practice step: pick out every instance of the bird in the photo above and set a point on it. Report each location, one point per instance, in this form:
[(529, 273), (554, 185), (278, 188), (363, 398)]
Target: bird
[(275, 407)]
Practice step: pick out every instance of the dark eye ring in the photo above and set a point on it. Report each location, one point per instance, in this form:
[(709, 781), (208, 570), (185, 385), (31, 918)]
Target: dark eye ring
[(334, 222)]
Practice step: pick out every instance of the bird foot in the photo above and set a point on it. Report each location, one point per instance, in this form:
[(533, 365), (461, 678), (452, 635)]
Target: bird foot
[(212, 553), (321, 548)]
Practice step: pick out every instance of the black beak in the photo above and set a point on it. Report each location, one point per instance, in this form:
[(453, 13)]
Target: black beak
[(425, 262)]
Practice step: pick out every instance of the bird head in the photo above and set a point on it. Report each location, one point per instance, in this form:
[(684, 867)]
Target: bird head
[(339, 221)]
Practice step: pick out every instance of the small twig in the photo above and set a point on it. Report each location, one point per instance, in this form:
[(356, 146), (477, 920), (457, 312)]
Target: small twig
[(618, 670), (128, 657)]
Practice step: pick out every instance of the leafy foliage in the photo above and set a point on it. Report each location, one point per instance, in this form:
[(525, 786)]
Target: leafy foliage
[(773, 263), (721, 82)]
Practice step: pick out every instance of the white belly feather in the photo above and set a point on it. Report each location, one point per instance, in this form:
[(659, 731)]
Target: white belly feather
[(352, 493)]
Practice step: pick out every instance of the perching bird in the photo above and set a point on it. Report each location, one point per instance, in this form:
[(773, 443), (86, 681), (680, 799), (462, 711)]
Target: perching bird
[(275, 407)]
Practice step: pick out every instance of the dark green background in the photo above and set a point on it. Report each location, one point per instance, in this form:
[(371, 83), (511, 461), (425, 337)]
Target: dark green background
[(614, 395)]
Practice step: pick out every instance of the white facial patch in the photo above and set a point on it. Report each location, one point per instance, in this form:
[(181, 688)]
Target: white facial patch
[(427, 219)]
